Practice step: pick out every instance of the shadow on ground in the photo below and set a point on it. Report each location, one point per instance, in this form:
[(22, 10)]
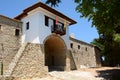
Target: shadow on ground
[(109, 74)]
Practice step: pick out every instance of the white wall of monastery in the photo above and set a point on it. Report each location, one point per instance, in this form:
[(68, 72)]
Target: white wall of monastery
[(38, 32)]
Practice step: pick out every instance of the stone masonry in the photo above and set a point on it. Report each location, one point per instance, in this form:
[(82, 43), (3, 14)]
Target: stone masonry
[(84, 54), (9, 41), (31, 63), (11, 22), (28, 61)]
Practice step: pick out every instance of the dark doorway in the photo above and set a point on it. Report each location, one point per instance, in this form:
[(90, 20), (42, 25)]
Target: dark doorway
[(52, 60), (55, 54)]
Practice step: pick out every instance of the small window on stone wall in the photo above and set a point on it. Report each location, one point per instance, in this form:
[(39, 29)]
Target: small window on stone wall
[(71, 45), (0, 27), (86, 49), (78, 46), (17, 32)]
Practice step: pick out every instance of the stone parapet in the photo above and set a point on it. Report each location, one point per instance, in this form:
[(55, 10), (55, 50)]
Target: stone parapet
[(10, 22)]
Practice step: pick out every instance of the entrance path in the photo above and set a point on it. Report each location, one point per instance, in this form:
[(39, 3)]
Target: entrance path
[(103, 73), (74, 75)]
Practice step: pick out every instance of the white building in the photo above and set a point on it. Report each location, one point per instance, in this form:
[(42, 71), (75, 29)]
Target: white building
[(40, 21), (47, 27)]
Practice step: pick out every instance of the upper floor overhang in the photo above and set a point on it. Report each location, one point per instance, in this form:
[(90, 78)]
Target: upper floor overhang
[(44, 6)]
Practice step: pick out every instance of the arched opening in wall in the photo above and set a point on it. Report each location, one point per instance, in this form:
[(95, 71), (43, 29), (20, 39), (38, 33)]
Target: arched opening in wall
[(55, 53)]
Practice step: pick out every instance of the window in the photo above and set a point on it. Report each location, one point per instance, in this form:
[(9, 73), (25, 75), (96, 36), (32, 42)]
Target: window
[(78, 46), (86, 49), (54, 24), (46, 21), (17, 32), (0, 27), (71, 45), (27, 25)]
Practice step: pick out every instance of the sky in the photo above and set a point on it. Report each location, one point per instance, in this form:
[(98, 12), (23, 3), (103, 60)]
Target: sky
[(82, 30)]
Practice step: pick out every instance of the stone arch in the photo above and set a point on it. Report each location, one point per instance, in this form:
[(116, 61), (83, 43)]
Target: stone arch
[(55, 52)]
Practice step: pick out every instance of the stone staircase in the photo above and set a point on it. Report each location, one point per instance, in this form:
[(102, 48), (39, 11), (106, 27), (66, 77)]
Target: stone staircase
[(9, 46), (11, 63), (7, 60), (31, 62)]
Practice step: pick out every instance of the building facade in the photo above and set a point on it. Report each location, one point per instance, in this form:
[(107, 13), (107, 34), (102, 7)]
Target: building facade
[(84, 55), (37, 41)]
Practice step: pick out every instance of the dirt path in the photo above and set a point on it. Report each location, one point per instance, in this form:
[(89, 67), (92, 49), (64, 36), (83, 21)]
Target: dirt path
[(104, 73), (107, 73), (74, 75)]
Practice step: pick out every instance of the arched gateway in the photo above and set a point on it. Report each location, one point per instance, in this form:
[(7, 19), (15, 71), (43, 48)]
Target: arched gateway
[(55, 52)]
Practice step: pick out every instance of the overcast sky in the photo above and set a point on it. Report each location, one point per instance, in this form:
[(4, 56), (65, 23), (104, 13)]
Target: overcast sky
[(82, 30)]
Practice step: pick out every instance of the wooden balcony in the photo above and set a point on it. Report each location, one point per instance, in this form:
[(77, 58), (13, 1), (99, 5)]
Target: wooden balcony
[(58, 29)]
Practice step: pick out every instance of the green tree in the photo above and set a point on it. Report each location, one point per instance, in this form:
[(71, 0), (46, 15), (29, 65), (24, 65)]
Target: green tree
[(96, 42), (105, 16), (53, 2)]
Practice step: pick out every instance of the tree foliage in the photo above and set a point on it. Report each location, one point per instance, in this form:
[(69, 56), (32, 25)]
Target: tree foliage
[(96, 42), (53, 2), (105, 16)]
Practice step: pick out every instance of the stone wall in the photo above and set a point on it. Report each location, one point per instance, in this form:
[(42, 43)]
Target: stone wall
[(10, 22), (31, 63), (14, 61), (73, 64), (9, 41), (83, 53), (98, 57)]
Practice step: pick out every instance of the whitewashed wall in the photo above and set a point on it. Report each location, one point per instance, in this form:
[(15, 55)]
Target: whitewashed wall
[(38, 32)]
